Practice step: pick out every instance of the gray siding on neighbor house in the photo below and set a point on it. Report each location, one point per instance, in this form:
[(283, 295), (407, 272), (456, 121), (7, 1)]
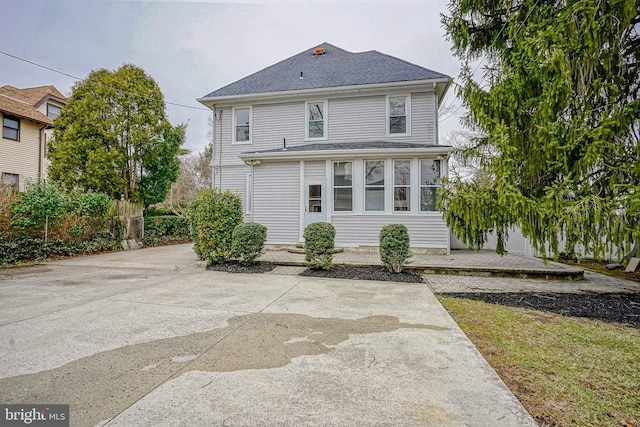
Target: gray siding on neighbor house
[(425, 231), (276, 200), (315, 170)]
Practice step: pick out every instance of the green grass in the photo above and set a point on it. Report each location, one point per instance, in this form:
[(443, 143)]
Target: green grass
[(566, 371)]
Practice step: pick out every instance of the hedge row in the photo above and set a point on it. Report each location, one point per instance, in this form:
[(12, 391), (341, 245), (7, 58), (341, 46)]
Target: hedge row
[(14, 250), (159, 230)]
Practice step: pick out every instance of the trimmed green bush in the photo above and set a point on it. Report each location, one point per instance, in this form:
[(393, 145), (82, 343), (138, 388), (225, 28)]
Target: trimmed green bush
[(213, 216), (165, 229), (248, 241), (319, 244), (394, 247)]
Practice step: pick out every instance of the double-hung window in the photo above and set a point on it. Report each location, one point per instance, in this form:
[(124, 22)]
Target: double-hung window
[(398, 122), (374, 185), (53, 111), (343, 186), (242, 125), (11, 128), (316, 117), (429, 183), (401, 185)]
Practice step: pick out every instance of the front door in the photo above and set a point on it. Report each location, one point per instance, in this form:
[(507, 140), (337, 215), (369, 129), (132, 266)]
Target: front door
[(315, 200)]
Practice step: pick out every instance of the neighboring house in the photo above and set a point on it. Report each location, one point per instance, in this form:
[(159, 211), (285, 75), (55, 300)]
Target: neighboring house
[(330, 135), (27, 123)]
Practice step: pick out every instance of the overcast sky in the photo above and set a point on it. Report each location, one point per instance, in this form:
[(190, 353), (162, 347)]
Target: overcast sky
[(194, 48)]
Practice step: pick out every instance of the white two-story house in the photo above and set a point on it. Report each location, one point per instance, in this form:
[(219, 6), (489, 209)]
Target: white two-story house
[(335, 136)]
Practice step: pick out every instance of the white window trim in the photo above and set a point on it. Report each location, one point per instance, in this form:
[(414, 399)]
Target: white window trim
[(384, 187), (325, 112), (407, 111), (420, 186), (410, 186), (233, 126), (353, 187)]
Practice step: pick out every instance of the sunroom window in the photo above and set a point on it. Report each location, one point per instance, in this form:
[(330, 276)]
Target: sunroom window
[(343, 186), (402, 185), (429, 183), (374, 185)]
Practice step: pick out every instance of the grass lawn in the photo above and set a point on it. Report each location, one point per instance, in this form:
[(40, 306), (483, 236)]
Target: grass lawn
[(566, 371)]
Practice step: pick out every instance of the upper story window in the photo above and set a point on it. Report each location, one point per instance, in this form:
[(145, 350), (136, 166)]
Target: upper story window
[(11, 128), (316, 119), (343, 186), (374, 185), (53, 111), (242, 125), (398, 118), (429, 183)]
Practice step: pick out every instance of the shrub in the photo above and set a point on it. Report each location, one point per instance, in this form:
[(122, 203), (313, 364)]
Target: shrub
[(213, 216), (319, 244), (164, 229), (42, 203), (394, 247), (248, 241)]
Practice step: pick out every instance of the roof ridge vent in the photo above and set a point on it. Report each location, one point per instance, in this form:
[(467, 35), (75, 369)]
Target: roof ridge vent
[(319, 51)]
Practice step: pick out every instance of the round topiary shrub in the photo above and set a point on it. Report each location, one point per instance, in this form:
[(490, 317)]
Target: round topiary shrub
[(213, 215), (248, 241), (394, 247), (318, 245)]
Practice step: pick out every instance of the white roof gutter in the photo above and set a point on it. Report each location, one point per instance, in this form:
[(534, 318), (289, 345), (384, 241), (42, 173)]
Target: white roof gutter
[(437, 151)]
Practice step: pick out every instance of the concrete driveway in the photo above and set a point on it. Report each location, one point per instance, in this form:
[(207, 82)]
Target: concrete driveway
[(150, 338)]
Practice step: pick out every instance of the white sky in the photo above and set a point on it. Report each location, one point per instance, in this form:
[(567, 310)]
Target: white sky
[(194, 48)]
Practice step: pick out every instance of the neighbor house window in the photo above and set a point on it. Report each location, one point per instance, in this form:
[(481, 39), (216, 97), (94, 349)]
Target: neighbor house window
[(11, 128), (429, 182), (402, 185), (53, 111), (374, 185), (343, 186), (242, 125), (11, 180), (316, 120), (398, 115)]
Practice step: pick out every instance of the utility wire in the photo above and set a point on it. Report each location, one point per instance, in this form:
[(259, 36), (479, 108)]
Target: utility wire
[(79, 78)]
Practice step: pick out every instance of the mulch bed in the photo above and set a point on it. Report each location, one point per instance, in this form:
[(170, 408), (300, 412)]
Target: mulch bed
[(621, 308), (364, 273), (234, 266)]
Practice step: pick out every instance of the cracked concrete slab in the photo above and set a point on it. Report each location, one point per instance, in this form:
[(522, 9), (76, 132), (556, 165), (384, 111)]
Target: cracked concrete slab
[(152, 339)]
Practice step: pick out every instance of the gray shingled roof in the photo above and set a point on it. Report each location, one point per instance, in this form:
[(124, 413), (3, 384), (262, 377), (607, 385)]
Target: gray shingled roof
[(336, 67), (365, 145)]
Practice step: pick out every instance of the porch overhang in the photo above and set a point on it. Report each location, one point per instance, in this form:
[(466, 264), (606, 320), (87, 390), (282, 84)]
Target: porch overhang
[(377, 149)]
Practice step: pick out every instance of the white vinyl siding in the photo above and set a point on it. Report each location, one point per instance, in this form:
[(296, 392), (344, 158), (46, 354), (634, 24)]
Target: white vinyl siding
[(276, 200), (316, 170), (363, 230)]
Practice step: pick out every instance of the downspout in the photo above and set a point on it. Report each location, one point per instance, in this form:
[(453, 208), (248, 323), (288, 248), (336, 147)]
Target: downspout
[(436, 108), (219, 118), (40, 151)]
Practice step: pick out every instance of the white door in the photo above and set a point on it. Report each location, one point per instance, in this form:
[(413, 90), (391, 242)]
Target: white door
[(315, 201)]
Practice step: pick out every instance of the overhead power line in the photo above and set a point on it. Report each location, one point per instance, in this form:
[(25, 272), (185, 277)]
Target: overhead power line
[(79, 78)]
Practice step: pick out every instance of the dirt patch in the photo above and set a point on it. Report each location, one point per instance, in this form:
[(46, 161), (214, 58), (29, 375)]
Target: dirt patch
[(364, 273), (620, 308), (234, 266)]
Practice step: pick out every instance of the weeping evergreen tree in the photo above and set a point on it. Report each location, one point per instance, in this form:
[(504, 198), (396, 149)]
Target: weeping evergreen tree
[(557, 113)]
